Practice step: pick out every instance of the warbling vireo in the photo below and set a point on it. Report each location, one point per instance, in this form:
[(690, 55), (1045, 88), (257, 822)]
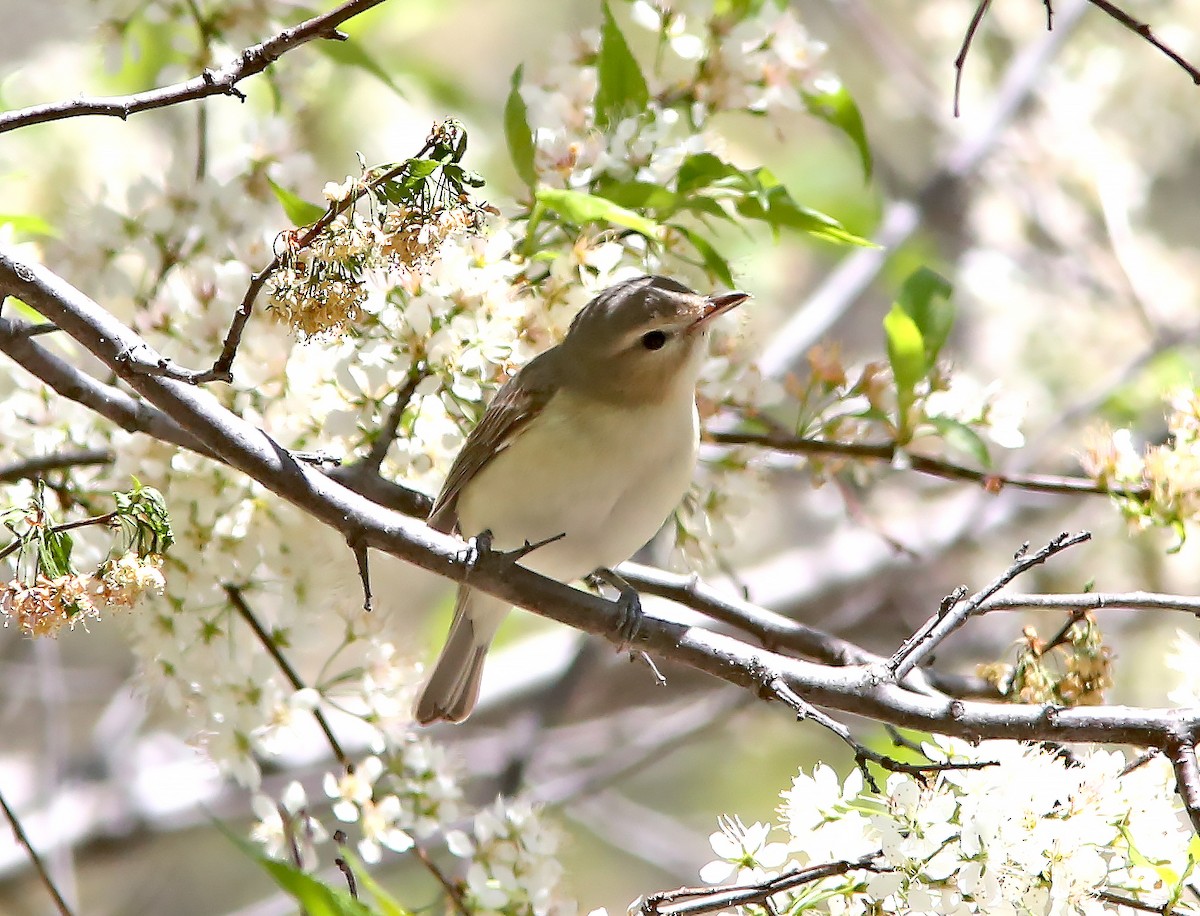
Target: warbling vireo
[(595, 440)]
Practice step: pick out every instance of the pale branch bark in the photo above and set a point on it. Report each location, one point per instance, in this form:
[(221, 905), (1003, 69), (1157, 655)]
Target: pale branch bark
[(136, 416), (991, 481), (955, 613), (779, 633), (856, 690), (1093, 601), (391, 424), (1182, 753), (220, 81), (55, 461)]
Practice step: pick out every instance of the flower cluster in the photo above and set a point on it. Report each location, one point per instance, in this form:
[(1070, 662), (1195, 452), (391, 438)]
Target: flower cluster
[(1160, 485), (49, 604), (513, 869), (1031, 831), (1073, 670)]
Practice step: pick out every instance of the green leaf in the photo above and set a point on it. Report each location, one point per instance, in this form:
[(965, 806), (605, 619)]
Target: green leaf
[(409, 183), (298, 210), (351, 53), (384, 902), (906, 352), (774, 206), (962, 438), (838, 108), (517, 132), (716, 264), (621, 89), (700, 170), (26, 311), (925, 298), (54, 554), (315, 898), (458, 176), (578, 208), (640, 195), (27, 224)]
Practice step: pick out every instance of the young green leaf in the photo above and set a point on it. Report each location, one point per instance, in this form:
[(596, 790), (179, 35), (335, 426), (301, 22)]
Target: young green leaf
[(640, 195), (962, 438), (925, 298), (298, 210), (716, 264), (620, 89), (906, 352), (26, 224), (517, 132), (837, 107), (315, 898), (700, 170), (579, 208), (352, 54)]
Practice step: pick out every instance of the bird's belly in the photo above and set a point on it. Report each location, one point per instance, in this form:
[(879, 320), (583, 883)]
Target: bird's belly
[(606, 479)]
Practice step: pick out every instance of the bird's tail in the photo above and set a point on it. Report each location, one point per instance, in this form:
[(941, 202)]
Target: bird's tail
[(453, 686)]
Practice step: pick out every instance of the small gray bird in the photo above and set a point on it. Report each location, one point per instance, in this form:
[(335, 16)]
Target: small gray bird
[(595, 440)]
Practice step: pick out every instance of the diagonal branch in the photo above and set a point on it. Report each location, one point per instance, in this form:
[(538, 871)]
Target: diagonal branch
[(222, 81), (55, 461), (857, 690), (1144, 30)]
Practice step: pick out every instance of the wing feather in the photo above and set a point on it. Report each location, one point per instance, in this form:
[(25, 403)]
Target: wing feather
[(519, 400)]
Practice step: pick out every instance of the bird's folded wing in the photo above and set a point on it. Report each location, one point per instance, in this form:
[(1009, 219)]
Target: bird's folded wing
[(520, 400)]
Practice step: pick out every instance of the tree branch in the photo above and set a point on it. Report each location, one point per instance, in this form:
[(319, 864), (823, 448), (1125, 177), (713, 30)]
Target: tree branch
[(935, 467), (222, 81), (56, 461), (38, 865), (856, 690), (1144, 30)]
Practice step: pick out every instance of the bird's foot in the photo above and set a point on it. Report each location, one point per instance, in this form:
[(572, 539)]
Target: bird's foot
[(477, 547), (629, 605)]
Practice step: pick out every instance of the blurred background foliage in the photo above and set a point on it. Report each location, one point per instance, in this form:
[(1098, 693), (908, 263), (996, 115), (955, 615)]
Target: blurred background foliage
[(1068, 228)]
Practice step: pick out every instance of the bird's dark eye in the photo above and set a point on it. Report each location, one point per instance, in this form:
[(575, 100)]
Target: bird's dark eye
[(654, 340)]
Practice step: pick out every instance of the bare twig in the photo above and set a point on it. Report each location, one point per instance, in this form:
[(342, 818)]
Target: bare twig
[(1163, 909), (980, 11), (65, 526), (693, 901), (947, 620), (387, 432), (936, 467), (56, 461), (453, 892), (238, 600), (1144, 30), (34, 858), (222, 81), (1093, 601), (805, 710)]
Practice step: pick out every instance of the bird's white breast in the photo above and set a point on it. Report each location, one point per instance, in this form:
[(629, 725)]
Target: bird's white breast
[(605, 476)]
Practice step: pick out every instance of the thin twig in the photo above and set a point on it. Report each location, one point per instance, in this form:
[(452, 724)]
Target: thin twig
[(936, 467), (961, 59), (221, 81), (453, 891), (1163, 909), (947, 620), (805, 710), (699, 900), (1144, 30), (34, 858), (238, 601), (387, 432), (1093, 601), (104, 519), (55, 461)]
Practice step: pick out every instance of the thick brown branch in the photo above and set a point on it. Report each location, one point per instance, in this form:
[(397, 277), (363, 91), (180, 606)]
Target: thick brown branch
[(222, 81), (56, 461)]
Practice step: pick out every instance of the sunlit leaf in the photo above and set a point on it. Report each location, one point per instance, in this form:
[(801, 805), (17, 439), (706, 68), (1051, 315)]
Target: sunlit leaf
[(517, 132), (352, 54), (27, 224), (837, 107), (906, 352), (925, 297), (640, 195), (314, 897), (962, 438), (298, 210), (579, 208), (711, 257), (621, 89)]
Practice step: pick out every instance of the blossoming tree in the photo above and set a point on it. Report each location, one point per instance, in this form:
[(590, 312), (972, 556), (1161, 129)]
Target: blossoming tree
[(232, 383)]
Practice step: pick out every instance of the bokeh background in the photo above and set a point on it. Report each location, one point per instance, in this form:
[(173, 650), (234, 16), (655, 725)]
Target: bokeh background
[(1062, 204)]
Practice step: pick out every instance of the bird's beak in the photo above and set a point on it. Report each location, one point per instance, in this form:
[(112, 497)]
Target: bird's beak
[(718, 305)]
